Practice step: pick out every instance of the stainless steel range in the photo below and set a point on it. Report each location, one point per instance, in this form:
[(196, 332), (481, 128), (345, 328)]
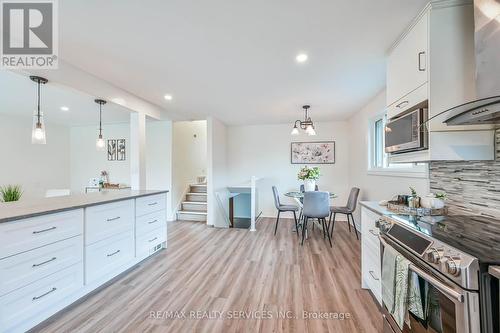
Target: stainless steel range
[(451, 257)]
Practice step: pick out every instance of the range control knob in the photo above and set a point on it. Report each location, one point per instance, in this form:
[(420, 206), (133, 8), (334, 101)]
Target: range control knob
[(434, 255), (452, 265)]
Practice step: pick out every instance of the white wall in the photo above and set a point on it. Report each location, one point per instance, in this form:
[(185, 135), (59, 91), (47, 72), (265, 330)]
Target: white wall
[(374, 187), (189, 156), (35, 167), (264, 151), (87, 162), (159, 159), (216, 169)]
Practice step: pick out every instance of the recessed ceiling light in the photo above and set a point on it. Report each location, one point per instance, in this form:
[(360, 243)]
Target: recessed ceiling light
[(302, 57), (168, 97), (64, 108)]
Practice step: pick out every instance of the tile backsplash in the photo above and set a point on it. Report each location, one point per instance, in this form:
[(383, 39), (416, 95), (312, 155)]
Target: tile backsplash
[(473, 187)]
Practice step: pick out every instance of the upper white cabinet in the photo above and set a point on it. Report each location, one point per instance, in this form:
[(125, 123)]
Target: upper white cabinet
[(407, 63), (433, 65)]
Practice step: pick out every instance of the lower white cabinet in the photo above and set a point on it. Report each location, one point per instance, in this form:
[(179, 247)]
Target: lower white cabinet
[(371, 273), (105, 259), (22, 304), (50, 261), (30, 266)]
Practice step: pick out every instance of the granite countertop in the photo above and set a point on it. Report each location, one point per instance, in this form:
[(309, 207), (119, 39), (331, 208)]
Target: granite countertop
[(11, 211), (375, 207)]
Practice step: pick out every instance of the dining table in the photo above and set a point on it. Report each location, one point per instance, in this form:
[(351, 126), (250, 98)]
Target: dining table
[(298, 196)]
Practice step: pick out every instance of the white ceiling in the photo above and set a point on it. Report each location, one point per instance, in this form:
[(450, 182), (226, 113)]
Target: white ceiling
[(18, 98), (236, 59)]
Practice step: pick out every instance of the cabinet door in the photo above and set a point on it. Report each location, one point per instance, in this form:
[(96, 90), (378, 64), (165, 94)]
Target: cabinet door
[(407, 63)]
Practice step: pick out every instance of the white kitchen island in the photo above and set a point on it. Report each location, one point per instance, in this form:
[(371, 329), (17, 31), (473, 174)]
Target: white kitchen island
[(54, 251)]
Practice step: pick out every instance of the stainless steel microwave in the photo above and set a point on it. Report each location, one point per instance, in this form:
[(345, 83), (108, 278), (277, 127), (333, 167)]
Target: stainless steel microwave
[(407, 132)]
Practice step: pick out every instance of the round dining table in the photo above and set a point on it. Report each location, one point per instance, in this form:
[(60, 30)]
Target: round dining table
[(297, 196)]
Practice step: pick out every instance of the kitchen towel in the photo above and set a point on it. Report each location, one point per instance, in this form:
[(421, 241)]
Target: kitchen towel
[(415, 296), (388, 275)]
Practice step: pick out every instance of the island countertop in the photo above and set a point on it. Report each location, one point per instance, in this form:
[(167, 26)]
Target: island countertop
[(12, 211)]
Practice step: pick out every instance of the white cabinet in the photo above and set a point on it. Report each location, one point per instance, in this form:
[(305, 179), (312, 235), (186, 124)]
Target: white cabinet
[(50, 261), (371, 273), (31, 233), (108, 220), (107, 258), (433, 65), (407, 63)]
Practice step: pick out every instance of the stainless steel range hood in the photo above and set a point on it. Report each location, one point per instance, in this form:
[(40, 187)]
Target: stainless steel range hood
[(486, 108)]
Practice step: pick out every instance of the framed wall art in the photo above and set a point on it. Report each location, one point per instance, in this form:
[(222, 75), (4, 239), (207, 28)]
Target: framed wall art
[(313, 152)]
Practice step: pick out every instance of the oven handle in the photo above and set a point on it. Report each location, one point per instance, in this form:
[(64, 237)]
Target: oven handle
[(435, 282)]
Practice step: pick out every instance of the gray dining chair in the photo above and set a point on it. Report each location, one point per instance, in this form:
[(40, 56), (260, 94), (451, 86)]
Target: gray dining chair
[(284, 208), (346, 210), (316, 206)]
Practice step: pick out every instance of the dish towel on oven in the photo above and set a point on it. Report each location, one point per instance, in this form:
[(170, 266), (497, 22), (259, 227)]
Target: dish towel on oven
[(395, 284)]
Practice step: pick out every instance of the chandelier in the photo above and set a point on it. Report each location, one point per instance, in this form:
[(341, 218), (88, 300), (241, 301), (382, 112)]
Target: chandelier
[(307, 124)]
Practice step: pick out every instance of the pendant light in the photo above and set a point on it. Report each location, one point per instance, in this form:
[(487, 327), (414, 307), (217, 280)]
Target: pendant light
[(306, 124), (38, 131), (100, 141)]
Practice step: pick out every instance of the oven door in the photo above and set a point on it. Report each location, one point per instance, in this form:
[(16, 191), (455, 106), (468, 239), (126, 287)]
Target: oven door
[(446, 307), (405, 133)]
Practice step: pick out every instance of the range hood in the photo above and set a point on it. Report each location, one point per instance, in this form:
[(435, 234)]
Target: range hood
[(486, 108)]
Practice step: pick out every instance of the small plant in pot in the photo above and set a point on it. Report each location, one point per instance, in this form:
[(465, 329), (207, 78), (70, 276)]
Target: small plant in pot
[(309, 176), (10, 193), (414, 199)]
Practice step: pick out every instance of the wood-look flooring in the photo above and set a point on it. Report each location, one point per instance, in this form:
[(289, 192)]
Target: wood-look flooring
[(231, 274)]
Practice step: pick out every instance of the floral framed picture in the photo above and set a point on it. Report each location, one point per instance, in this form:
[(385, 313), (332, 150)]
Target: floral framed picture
[(322, 152)]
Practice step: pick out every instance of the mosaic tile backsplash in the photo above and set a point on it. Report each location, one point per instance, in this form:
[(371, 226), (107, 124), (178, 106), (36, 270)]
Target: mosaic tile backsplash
[(473, 187)]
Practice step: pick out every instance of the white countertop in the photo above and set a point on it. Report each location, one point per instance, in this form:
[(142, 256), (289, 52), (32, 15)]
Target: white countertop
[(374, 206), (11, 211)]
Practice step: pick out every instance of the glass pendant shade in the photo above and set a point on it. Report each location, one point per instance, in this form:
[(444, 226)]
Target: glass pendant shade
[(312, 131), (38, 131), (295, 131), (100, 143)]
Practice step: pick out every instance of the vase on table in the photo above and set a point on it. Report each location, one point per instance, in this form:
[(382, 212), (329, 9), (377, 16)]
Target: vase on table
[(309, 185)]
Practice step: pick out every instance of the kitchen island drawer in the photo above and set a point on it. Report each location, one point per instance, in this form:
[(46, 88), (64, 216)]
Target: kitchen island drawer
[(150, 204), (106, 257), (27, 234), (28, 267), (149, 222), (20, 305), (146, 244), (107, 220)]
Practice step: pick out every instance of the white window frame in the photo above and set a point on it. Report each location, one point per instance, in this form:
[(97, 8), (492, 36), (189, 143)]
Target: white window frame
[(414, 171)]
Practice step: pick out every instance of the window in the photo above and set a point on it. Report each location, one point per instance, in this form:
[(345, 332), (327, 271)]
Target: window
[(379, 160)]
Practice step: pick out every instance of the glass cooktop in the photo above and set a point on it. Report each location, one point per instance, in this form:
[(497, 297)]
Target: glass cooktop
[(476, 235)]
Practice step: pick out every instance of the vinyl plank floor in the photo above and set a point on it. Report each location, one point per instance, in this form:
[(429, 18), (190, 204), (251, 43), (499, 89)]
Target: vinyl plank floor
[(234, 280)]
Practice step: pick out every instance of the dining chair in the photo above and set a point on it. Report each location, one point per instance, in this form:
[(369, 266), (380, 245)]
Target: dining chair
[(284, 208), (346, 210), (302, 190), (316, 206)]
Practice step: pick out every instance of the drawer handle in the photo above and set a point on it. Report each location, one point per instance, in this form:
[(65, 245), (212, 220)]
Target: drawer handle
[(402, 104), (373, 232), (154, 221), (420, 68), (153, 239), (152, 204), (43, 263), (44, 230), (113, 219), (373, 275), (43, 295), (112, 254)]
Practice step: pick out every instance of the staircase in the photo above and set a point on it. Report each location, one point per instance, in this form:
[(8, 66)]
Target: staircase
[(194, 207)]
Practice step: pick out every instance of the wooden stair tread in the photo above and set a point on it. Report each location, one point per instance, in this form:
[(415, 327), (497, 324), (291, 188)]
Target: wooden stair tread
[(195, 202), (194, 212)]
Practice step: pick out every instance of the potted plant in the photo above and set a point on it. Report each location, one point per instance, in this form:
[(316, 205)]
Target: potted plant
[(414, 199), (309, 176), (10, 193)]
